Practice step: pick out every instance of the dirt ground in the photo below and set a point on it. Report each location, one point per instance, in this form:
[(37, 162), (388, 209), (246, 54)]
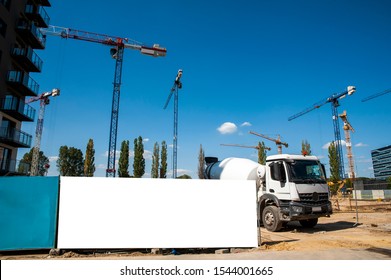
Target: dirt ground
[(370, 230)]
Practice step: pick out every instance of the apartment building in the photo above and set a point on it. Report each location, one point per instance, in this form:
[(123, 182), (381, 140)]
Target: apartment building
[(20, 37)]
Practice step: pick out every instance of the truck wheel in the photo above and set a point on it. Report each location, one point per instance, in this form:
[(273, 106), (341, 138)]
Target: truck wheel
[(271, 219), (310, 223)]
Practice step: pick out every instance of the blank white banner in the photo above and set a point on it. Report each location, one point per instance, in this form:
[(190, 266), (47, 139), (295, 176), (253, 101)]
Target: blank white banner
[(156, 213)]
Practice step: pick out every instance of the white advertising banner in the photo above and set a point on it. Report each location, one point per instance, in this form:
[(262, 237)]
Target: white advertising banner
[(156, 213)]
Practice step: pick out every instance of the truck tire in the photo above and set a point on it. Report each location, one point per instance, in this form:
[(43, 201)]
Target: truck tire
[(271, 219), (310, 223)]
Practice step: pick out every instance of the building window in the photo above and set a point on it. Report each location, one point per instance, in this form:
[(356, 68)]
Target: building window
[(3, 27)]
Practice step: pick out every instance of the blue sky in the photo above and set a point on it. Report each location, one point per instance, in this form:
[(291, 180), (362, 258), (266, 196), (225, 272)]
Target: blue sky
[(249, 63)]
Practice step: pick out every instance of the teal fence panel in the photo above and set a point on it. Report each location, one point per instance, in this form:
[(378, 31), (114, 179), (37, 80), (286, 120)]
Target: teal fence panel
[(28, 212)]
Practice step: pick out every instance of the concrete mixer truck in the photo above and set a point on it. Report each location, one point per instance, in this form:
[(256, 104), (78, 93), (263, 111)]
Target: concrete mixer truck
[(289, 187)]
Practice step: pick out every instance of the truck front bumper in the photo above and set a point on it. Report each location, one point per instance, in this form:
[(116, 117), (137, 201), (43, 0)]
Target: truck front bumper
[(296, 211)]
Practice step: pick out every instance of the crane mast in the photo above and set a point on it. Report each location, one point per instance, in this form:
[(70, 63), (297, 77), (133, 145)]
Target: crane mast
[(347, 128), (44, 100), (334, 100), (118, 45), (174, 91), (244, 146), (277, 141)]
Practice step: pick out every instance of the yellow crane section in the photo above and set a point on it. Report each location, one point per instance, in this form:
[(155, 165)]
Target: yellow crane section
[(347, 127)]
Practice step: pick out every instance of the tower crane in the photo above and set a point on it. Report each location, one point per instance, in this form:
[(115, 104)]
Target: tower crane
[(243, 146), (174, 91), (118, 45), (333, 99), (347, 127), (376, 95), (44, 100), (277, 141)]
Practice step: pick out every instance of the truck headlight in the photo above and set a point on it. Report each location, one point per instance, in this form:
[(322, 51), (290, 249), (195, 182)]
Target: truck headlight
[(297, 209)]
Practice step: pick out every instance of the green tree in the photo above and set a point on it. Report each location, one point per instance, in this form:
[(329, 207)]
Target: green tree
[(334, 163), (163, 161), (261, 153), (184, 176), (123, 162), (201, 163), (70, 161), (89, 160), (43, 162), (155, 161), (305, 148), (139, 161)]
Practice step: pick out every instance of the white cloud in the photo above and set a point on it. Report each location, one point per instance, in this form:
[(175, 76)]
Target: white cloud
[(246, 124), (146, 140), (101, 166), (327, 145), (227, 128), (147, 155), (358, 145), (117, 153), (53, 158)]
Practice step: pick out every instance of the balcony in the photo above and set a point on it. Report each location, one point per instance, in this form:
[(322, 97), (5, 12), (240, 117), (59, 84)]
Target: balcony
[(16, 108), (14, 167), (31, 34), (45, 3), (28, 59), (38, 15), (22, 83), (15, 137)]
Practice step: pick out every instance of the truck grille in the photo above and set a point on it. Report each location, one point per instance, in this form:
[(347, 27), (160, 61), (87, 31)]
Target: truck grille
[(314, 198)]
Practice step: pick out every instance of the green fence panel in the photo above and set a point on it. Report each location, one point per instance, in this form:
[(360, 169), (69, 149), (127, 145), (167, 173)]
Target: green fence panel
[(28, 212)]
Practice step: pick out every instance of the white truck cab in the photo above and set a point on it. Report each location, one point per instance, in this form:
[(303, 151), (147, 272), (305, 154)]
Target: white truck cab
[(289, 187)]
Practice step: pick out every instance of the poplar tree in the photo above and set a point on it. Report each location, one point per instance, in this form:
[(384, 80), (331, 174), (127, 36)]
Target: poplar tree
[(261, 153), (201, 163), (139, 161), (334, 163), (70, 161), (155, 161), (163, 161), (123, 162), (89, 160)]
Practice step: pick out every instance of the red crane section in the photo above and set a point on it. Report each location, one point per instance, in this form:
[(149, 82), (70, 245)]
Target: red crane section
[(115, 41)]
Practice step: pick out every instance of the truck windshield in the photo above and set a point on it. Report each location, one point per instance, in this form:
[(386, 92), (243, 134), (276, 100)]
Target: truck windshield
[(306, 171)]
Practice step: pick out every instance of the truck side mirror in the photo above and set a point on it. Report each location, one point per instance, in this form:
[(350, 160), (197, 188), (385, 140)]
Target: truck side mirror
[(277, 171)]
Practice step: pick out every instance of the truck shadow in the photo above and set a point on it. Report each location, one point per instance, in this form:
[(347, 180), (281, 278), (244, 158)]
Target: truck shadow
[(327, 227)]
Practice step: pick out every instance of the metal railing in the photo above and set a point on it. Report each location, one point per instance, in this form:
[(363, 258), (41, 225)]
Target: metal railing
[(15, 136), (29, 54), (24, 79), (31, 9), (25, 25), (13, 103)]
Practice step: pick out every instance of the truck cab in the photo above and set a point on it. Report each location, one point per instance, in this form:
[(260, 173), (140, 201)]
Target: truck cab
[(294, 188)]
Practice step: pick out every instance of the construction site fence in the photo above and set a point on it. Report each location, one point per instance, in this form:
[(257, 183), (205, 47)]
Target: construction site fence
[(372, 194)]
